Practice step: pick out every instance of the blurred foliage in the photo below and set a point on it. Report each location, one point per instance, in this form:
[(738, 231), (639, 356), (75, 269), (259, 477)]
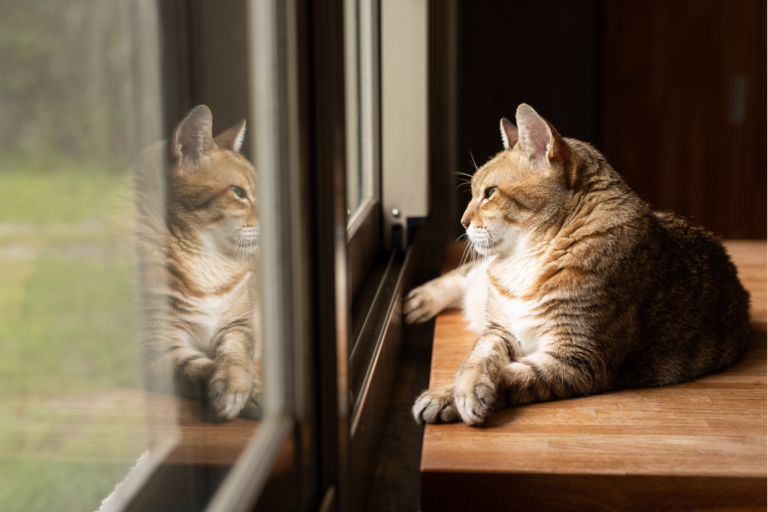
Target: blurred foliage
[(64, 86)]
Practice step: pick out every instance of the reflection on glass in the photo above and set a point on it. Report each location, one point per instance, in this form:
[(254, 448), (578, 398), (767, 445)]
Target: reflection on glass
[(195, 244)]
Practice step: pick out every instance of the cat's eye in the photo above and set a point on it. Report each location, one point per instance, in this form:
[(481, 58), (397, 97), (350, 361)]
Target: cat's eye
[(489, 192), (239, 192)]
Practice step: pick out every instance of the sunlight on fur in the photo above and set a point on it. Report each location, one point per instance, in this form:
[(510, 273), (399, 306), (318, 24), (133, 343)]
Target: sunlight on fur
[(575, 286)]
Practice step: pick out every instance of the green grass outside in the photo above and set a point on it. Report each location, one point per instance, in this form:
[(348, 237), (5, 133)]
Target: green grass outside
[(68, 328), (56, 191), (75, 329), (58, 486)]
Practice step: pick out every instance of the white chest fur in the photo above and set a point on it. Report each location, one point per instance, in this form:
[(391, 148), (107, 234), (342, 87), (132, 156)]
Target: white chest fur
[(523, 320), (208, 315), (521, 316), (475, 298)]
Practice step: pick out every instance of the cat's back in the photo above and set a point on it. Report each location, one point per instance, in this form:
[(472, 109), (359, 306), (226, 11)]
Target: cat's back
[(695, 311), (703, 261), (701, 257)]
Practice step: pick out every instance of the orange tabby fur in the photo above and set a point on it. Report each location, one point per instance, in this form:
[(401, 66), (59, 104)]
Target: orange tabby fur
[(194, 253), (582, 288)]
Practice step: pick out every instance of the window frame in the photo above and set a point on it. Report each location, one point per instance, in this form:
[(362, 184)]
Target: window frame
[(311, 450), (364, 228), (260, 473), (379, 264), (280, 466)]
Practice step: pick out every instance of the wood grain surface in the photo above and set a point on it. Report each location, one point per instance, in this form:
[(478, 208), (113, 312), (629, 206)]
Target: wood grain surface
[(199, 438), (694, 446)]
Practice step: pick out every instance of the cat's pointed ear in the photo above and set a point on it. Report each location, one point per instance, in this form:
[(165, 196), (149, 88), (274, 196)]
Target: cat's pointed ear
[(232, 139), (192, 137), (508, 133), (540, 140)]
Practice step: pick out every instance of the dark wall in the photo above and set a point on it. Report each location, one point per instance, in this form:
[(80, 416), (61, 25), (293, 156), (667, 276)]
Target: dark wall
[(672, 92), (205, 61), (545, 54), (684, 107)]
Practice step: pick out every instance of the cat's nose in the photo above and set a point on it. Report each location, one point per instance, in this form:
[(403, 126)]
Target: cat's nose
[(465, 223)]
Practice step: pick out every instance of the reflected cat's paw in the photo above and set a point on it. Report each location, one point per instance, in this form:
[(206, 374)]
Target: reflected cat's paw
[(420, 305), (436, 406), (253, 407), (229, 392), (474, 393)]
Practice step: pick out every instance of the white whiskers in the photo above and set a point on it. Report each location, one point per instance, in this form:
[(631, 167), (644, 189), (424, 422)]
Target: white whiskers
[(476, 251), (245, 244)]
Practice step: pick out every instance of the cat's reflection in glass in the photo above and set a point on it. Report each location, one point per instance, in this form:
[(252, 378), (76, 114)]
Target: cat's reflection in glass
[(197, 235)]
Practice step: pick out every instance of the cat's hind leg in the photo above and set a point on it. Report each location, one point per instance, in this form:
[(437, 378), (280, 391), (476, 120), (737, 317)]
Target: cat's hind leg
[(426, 301), (554, 375)]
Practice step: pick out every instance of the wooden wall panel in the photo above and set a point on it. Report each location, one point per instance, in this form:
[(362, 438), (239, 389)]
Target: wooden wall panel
[(667, 127)]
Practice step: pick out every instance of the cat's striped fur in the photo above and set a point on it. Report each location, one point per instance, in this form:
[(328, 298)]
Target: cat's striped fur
[(195, 241), (582, 288)]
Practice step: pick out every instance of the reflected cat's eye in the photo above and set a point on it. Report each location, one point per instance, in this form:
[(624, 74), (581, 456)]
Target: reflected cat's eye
[(489, 192), (239, 192)]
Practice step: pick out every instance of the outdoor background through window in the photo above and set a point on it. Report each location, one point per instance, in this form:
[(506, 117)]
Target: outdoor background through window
[(71, 418), (80, 98)]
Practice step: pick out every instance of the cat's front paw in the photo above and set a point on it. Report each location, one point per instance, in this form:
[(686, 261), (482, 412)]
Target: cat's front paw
[(435, 406), (420, 305), (474, 393), (253, 409), (229, 391)]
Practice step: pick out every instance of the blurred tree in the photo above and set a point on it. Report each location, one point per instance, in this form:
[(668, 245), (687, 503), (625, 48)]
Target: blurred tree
[(64, 79)]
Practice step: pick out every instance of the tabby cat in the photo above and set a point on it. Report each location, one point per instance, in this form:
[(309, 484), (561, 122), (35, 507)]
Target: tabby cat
[(195, 242), (582, 288)]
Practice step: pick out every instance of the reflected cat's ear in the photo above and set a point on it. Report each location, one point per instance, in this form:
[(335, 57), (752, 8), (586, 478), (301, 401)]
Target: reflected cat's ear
[(508, 133), (192, 138), (540, 140), (232, 139)]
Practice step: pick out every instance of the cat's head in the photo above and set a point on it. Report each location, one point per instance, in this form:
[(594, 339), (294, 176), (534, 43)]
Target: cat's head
[(521, 190), (212, 196)]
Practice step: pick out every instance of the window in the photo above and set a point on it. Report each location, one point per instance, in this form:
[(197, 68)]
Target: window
[(363, 155), (383, 80), (90, 89)]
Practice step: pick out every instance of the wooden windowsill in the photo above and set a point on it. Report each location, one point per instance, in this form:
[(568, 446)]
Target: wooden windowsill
[(200, 440), (696, 445)]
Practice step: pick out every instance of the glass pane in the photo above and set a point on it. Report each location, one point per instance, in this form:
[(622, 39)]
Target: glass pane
[(357, 61), (72, 420), (129, 301), (352, 90)]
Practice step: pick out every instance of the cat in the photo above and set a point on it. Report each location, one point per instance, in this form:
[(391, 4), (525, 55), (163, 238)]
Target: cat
[(582, 288), (194, 244)]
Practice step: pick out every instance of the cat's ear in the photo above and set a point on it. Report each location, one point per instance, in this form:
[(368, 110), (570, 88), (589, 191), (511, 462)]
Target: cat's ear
[(508, 133), (192, 137), (232, 139), (540, 140)]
